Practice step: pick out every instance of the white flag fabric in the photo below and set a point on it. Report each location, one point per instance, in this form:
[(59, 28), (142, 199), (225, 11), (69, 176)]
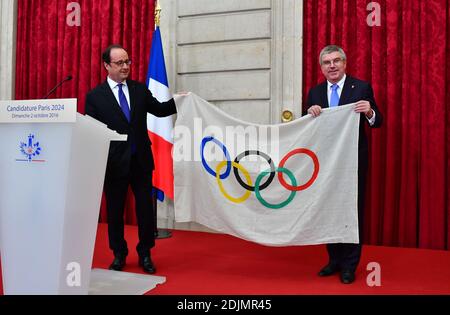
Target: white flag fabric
[(286, 184)]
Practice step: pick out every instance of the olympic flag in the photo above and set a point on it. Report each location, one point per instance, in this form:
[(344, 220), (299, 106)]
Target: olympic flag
[(286, 184), (160, 128)]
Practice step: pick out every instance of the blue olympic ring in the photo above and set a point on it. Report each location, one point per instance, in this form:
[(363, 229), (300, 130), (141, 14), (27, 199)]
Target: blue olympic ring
[(225, 152)]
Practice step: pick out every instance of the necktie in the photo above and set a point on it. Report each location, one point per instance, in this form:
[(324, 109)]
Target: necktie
[(334, 99), (124, 103), (126, 112)]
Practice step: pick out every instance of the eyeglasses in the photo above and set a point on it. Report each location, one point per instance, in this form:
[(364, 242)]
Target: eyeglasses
[(120, 63), (335, 61)]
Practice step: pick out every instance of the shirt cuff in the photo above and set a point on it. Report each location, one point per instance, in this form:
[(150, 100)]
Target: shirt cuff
[(371, 120)]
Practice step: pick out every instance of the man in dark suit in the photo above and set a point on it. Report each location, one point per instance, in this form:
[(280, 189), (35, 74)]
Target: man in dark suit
[(123, 104), (340, 89)]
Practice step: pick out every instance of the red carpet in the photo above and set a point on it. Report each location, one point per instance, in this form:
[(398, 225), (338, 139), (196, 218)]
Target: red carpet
[(197, 263)]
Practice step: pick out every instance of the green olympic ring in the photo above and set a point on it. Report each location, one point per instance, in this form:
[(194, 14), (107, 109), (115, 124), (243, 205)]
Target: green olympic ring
[(282, 204)]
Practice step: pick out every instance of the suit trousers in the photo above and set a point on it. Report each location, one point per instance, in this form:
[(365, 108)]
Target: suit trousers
[(346, 256), (116, 190)]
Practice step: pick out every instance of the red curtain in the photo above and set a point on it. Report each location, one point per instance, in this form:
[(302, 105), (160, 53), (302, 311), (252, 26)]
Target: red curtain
[(407, 61), (49, 49)]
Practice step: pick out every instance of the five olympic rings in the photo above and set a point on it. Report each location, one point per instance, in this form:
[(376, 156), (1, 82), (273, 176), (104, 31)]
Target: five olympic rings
[(248, 185)]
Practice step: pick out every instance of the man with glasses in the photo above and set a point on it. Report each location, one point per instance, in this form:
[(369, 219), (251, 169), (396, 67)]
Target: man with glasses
[(341, 89), (123, 104)]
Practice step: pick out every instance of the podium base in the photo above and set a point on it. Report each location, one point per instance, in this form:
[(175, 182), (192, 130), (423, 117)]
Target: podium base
[(110, 282), (162, 233)]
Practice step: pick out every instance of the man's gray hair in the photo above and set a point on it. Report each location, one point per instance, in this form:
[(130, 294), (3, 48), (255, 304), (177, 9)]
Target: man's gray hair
[(330, 49)]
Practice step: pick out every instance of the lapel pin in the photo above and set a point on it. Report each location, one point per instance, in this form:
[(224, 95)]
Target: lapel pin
[(353, 86)]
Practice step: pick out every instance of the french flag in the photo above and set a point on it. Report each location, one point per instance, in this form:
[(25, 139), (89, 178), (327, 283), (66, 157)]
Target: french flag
[(160, 129)]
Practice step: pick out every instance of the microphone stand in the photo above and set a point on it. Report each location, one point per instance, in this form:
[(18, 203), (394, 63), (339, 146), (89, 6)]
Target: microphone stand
[(68, 78)]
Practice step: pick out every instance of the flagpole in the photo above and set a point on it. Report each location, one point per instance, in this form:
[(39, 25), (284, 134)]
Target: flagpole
[(159, 233)]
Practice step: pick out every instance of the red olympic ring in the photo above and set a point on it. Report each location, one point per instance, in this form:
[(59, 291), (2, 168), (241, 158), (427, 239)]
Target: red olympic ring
[(313, 177)]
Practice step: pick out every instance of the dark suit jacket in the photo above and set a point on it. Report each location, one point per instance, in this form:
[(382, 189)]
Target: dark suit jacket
[(102, 105), (354, 90)]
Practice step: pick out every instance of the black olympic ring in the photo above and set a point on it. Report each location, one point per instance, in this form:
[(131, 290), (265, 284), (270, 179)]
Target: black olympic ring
[(269, 161)]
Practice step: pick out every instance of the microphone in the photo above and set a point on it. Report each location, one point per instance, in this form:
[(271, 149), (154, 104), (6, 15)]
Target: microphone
[(68, 78)]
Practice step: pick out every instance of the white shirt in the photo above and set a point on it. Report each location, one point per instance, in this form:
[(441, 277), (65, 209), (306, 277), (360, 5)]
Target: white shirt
[(115, 89), (339, 91)]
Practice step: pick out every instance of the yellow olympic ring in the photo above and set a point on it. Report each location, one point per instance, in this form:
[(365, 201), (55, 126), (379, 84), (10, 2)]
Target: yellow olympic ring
[(222, 190)]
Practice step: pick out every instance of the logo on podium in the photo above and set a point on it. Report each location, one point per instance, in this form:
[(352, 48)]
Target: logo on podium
[(30, 149)]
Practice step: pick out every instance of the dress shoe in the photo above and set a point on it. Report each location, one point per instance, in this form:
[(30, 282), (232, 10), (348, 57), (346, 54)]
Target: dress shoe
[(118, 263), (147, 264), (328, 270), (347, 276)]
